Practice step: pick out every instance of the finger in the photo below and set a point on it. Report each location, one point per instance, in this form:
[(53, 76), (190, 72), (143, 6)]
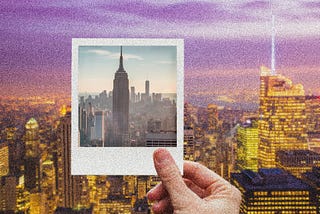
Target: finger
[(195, 188), (157, 193), (201, 175), (171, 178), (163, 206)]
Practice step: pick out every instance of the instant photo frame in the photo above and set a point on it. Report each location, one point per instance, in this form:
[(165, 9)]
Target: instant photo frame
[(123, 160)]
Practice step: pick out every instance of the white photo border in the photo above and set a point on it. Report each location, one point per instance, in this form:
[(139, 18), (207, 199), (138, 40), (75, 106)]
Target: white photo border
[(122, 160)]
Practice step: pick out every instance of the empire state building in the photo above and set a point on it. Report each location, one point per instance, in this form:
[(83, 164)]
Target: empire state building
[(120, 106)]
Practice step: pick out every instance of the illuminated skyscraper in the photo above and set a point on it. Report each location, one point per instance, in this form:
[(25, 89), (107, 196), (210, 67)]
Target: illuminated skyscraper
[(120, 106), (282, 124), (248, 140), (32, 156), (188, 144), (4, 159)]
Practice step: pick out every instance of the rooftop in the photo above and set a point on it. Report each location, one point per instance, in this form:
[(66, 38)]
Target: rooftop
[(269, 179)]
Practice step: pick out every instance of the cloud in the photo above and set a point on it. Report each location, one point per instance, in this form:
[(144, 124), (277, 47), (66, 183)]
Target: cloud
[(167, 62), (178, 12), (111, 55), (256, 5)]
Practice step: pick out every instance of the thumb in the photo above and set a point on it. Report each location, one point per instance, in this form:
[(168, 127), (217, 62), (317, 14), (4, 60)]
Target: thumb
[(171, 178)]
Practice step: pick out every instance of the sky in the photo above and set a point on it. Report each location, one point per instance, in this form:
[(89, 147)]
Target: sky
[(225, 41), (98, 64)]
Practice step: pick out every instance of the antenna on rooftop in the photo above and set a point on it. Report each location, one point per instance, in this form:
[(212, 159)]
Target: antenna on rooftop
[(273, 57)]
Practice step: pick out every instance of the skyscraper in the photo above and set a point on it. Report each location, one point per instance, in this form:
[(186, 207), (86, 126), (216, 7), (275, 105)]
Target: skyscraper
[(248, 140), (99, 127), (69, 187), (32, 156), (120, 106), (147, 88), (282, 124)]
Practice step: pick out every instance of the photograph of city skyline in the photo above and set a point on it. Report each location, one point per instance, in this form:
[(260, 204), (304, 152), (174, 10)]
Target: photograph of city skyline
[(120, 116), (251, 100)]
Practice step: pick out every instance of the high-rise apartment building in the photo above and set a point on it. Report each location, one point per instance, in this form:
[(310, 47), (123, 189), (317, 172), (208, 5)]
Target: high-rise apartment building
[(120, 106)]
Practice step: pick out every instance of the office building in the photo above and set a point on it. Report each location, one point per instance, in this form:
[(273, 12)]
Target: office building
[(120, 106), (247, 146), (282, 123), (161, 139), (8, 197), (99, 129), (4, 159), (188, 144), (273, 190), (297, 161), (212, 114), (313, 179)]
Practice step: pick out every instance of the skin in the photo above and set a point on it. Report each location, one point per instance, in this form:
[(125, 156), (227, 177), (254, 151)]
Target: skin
[(200, 190)]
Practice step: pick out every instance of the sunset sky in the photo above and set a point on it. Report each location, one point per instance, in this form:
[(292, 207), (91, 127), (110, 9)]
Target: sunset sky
[(225, 41)]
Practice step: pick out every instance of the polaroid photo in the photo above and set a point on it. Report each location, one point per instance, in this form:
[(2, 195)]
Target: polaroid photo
[(127, 101)]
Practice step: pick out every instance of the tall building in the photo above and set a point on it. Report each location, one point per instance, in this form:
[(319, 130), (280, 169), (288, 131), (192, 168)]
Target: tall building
[(69, 187), (282, 124), (90, 124), (247, 149), (188, 144), (8, 198), (147, 88), (212, 117), (4, 159), (99, 129), (32, 156), (273, 191), (133, 94), (120, 106)]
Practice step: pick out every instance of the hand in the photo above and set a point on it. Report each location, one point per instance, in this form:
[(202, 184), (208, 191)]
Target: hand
[(199, 190)]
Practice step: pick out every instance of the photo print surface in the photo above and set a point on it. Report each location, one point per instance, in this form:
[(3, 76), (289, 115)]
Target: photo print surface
[(127, 100)]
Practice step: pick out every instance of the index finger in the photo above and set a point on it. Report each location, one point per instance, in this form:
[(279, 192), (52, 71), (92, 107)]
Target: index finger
[(201, 175)]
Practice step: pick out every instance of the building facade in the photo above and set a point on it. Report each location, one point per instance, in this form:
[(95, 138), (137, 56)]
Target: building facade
[(282, 123), (120, 106)]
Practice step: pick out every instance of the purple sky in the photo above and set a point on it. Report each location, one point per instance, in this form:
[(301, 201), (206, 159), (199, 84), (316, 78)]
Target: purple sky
[(233, 36)]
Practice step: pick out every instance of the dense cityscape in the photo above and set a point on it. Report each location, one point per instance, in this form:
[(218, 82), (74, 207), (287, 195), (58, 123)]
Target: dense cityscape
[(127, 119), (271, 154), (258, 129)]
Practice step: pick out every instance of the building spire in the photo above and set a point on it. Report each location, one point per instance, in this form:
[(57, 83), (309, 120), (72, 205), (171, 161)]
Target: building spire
[(121, 69), (273, 51)]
